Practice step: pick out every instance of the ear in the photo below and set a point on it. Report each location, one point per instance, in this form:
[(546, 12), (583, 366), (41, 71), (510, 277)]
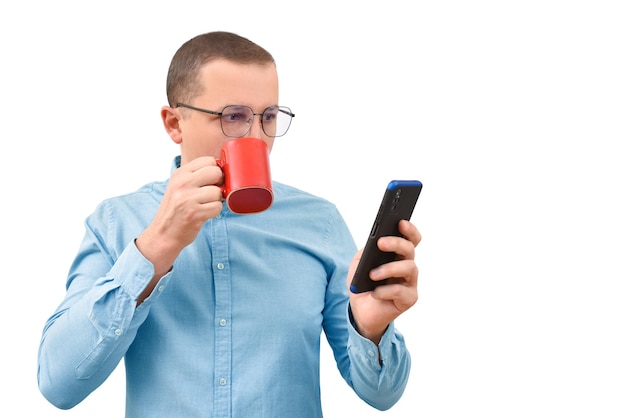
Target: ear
[(171, 118)]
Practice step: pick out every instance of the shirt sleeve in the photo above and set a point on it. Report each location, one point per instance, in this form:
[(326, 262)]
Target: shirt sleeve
[(379, 385), (89, 333)]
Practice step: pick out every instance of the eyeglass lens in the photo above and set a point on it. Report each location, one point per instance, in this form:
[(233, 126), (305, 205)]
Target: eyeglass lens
[(236, 120)]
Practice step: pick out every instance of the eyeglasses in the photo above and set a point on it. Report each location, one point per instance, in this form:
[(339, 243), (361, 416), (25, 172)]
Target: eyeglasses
[(236, 120)]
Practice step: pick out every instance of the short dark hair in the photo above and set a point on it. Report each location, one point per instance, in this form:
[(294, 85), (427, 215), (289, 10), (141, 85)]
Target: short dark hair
[(183, 83)]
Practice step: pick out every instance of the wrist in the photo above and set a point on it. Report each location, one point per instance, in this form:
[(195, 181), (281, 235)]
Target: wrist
[(374, 335)]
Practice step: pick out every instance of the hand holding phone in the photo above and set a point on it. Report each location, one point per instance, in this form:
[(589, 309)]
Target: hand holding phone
[(397, 204)]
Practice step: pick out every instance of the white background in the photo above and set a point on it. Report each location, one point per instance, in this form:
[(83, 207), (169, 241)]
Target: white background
[(511, 113)]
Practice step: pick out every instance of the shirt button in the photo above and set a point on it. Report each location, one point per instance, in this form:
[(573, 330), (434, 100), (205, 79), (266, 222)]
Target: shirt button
[(371, 353), (118, 332), (160, 289), (222, 322), (220, 266), (222, 381)]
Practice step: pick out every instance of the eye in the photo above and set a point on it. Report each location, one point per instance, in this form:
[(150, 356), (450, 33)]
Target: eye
[(236, 114), (270, 115)]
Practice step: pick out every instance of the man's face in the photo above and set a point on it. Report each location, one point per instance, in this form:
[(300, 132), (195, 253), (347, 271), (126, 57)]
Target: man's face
[(225, 83)]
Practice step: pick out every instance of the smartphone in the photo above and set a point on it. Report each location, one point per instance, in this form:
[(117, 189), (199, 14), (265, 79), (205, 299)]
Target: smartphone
[(398, 203)]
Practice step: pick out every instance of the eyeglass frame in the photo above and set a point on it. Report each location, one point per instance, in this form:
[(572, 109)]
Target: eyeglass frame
[(283, 109)]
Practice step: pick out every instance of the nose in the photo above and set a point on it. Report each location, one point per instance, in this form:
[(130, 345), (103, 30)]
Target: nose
[(256, 130)]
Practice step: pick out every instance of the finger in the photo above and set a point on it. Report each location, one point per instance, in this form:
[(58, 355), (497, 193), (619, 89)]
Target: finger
[(209, 194), (197, 175), (210, 210), (401, 271), (403, 297), (209, 176), (410, 231), (198, 163), (399, 245)]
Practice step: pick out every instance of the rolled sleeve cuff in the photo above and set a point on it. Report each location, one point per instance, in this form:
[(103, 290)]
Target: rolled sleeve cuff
[(365, 349), (133, 272)]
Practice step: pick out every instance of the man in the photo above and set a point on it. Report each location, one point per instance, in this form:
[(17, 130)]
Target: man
[(218, 314)]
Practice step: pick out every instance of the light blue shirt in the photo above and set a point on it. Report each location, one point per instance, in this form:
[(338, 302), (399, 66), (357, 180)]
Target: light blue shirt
[(233, 330)]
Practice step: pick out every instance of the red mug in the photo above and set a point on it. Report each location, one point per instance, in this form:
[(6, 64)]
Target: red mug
[(247, 178)]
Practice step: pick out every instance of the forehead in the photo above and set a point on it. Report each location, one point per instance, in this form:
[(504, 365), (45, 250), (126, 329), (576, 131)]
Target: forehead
[(225, 82)]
